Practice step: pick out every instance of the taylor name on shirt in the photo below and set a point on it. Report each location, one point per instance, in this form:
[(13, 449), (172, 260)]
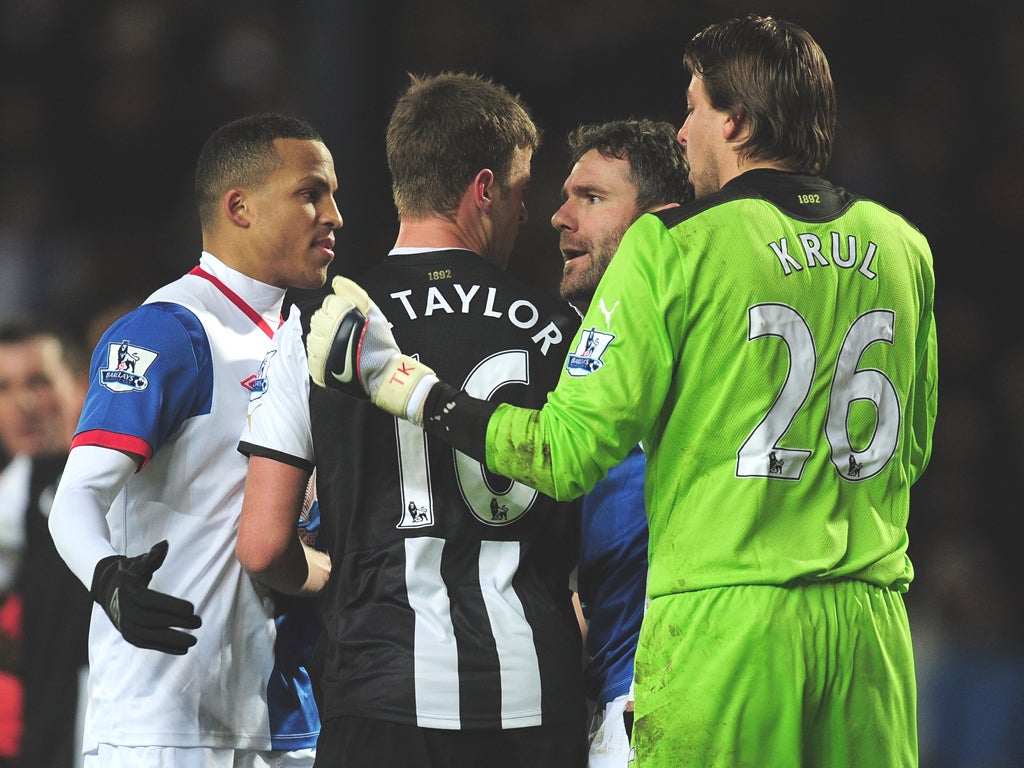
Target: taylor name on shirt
[(455, 298)]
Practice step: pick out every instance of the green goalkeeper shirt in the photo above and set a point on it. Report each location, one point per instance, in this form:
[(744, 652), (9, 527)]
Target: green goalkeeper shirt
[(773, 346)]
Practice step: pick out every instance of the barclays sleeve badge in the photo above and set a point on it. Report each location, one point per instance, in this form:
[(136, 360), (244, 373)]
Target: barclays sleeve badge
[(126, 367), (586, 358)]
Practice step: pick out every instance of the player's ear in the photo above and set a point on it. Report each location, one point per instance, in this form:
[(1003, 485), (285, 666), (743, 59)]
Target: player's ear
[(483, 188), (733, 126), (233, 203)]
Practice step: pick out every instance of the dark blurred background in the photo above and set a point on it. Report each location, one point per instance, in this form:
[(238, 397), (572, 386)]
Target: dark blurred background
[(105, 104)]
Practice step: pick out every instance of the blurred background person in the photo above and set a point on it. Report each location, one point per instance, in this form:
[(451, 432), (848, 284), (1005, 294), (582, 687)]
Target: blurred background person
[(43, 380)]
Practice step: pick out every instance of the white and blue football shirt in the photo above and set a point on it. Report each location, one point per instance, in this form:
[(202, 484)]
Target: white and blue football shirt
[(170, 383)]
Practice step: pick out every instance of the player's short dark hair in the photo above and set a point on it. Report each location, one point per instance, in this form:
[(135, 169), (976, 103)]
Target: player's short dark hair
[(657, 161), (242, 154), (446, 128), (775, 76)]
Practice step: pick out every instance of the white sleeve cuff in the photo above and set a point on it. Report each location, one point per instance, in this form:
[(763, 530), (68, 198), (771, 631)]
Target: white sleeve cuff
[(92, 479), (414, 408)]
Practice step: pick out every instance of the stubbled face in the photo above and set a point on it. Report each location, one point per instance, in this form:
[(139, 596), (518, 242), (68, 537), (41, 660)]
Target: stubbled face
[(600, 204), (40, 398), (295, 215), (508, 212), (701, 134)]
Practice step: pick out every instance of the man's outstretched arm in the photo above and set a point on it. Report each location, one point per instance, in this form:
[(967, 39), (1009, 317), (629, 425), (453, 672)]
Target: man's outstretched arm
[(350, 348)]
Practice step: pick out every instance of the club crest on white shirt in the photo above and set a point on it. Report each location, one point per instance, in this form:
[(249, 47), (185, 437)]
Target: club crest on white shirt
[(586, 358), (126, 367), (258, 384)]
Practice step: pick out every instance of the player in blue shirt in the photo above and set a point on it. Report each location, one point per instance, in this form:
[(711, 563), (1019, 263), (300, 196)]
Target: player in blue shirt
[(618, 171)]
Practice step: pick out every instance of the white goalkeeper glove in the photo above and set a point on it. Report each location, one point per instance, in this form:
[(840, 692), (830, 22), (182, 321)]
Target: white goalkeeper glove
[(350, 348)]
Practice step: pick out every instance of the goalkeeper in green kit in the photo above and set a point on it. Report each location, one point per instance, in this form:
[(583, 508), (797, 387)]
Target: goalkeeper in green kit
[(773, 345)]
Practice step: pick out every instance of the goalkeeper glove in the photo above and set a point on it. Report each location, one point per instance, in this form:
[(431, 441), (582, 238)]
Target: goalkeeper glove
[(350, 348), (143, 616)]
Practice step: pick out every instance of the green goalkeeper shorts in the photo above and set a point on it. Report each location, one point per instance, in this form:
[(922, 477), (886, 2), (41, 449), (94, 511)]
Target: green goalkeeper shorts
[(776, 677)]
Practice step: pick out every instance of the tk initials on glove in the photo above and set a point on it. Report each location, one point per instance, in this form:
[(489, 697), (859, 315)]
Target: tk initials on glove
[(350, 348)]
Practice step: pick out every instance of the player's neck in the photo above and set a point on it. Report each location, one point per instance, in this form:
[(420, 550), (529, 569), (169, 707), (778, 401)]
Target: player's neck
[(432, 232)]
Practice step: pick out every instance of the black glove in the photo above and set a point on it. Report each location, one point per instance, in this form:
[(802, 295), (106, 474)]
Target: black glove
[(143, 616)]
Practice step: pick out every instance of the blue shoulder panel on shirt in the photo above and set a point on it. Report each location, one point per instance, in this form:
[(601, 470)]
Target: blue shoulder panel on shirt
[(153, 370)]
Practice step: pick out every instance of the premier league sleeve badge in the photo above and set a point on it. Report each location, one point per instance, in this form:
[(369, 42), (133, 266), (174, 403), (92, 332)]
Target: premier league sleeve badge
[(126, 367)]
